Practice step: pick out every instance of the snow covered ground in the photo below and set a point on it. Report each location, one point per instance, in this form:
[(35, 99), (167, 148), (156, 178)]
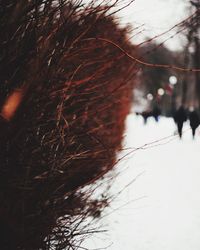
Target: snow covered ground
[(160, 209)]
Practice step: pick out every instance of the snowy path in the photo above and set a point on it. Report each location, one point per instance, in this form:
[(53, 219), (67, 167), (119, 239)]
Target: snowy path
[(161, 209)]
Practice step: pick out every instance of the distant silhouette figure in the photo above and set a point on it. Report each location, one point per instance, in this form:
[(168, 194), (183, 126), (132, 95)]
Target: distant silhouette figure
[(156, 112), (146, 114), (180, 116), (194, 121)]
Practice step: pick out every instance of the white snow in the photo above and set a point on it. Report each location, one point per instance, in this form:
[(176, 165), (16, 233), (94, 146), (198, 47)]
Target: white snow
[(160, 210)]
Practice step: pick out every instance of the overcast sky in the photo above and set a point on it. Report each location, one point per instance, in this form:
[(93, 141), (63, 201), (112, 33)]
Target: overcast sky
[(156, 16)]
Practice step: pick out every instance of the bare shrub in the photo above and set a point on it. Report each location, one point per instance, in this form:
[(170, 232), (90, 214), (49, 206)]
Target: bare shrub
[(64, 130)]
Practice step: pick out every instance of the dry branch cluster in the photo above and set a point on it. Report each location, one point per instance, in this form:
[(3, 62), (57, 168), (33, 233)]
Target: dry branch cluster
[(68, 125)]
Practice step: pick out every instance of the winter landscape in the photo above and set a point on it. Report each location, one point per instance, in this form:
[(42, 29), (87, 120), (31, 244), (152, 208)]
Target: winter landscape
[(99, 124)]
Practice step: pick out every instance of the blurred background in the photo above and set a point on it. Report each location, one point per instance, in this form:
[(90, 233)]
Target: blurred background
[(167, 32)]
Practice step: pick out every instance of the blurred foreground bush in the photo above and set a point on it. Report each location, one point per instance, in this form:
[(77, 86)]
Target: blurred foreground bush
[(63, 98)]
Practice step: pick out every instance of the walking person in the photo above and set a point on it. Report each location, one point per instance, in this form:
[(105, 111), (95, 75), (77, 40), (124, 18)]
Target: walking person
[(156, 112), (180, 116), (194, 119)]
